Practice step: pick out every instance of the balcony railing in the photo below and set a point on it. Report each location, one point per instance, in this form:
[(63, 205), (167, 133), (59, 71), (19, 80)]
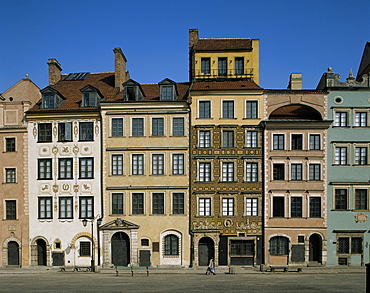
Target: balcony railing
[(223, 74)]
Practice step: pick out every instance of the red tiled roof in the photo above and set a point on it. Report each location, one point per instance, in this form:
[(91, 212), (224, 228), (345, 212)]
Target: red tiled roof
[(225, 85), (223, 44)]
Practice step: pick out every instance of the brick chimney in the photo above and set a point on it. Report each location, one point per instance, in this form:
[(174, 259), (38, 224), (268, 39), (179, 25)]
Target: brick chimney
[(120, 73), (193, 37), (295, 82), (54, 71)]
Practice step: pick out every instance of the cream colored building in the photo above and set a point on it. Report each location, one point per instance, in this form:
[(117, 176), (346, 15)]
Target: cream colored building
[(14, 204)]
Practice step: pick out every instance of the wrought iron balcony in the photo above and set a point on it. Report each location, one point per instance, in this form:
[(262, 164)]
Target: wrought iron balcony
[(222, 74)]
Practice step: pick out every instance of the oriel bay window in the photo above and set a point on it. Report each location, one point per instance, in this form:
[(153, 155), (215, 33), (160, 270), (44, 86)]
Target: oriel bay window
[(86, 207)]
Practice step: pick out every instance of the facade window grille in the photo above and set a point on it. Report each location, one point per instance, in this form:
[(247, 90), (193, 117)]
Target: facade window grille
[(85, 248), (279, 245)]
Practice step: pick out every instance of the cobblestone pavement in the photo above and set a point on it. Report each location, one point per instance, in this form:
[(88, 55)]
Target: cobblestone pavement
[(184, 280)]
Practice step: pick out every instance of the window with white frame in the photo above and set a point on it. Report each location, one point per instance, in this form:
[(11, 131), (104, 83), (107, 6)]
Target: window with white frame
[(138, 203), (341, 199), (296, 207), (228, 174), (204, 171), (45, 208), (227, 109), (10, 144), (137, 126), (297, 142), (361, 155), (117, 203), (341, 119), (157, 164), (251, 139), (86, 131), (158, 126), (86, 168), (296, 172), (137, 164), (178, 164), (204, 109), (361, 119), (278, 141), (44, 169), (117, 127), (204, 206), (66, 207), (117, 164), (228, 206), (65, 131), (158, 203), (340, 155), (178, 203), (251, 207), (315, 143), (86, 207), (204, 138), (65, 166), (361, 199), (178, 127), (315, 207), (251, 172), (11, 209), (10, 175), (315, 171), (252, 109)]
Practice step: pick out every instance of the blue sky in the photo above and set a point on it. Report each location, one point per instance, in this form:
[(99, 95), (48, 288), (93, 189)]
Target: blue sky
[(295, 36)]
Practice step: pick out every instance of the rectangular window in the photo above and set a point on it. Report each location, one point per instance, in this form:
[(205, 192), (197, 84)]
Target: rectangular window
[(296, 207), (227, 109), (297, 141), (178, 127), (343, 245), (341, 156), (239, 65), (251, 205), (204, 138), (65, 131), (10, 175), (167, 92), (65, 167), (178, 164), (85, 248), (361, 119), (278, 172), (89, 100), (315, 207), (242, 247), (228, 138), (158, 164), (65, 208), (341, 199), (340, 119), (315, 172), (361, 156), (157, 126), (252, 109), (10, 144), (296, 172), (228, 207), (278, 141), (86, 168), (361, 199), (205, 65), (137, 126), (44, 132), (11, 209), (117, 203), (350, 245), (222, 66), (315, 143), (204, 109), (86, 207), (45, 208), (228, 172), (86, 131), (178, 203), (138, 203), (117, 127), (204, 206), (252, 139), (48, 101), (204, 172), (278, 207), (356, 245), (251, 172), (44, 169), (138, 164), (117, 164), (158, 203)]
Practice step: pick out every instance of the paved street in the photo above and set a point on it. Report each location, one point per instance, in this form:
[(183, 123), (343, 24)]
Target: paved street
[(182, 282)]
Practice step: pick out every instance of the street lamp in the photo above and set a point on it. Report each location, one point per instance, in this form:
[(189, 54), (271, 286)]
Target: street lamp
[(98, 222)]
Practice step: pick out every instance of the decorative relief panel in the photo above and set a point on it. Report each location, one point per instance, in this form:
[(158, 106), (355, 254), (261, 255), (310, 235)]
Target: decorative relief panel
[(45, 188), (86, 150), (65, 150), (86, 188), (65, 187), (44, 151)]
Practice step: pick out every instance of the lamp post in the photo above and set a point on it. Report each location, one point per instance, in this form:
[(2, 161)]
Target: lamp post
[(98, 222)]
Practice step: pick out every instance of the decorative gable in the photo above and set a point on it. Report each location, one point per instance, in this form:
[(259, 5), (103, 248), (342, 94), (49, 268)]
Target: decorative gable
[(118, 224), (51, 98), (132, 91), (168, 90)]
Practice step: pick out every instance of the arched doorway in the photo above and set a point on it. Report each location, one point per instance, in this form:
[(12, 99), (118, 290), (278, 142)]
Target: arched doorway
[(13, 253), (315, 248), (120, 249), (41, 252), (206, 250)]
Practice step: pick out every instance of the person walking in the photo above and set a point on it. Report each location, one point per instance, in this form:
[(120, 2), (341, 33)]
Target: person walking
[(211, 267)]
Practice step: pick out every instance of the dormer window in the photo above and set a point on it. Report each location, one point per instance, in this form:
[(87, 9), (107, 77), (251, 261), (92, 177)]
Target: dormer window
[(132, 91), (50, 98), (168, 90), (90, 97)]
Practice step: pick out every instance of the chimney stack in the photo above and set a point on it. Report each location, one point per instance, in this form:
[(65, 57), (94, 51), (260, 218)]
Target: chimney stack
[(193, 37), (120, 73), (54, 71), (295, 82)]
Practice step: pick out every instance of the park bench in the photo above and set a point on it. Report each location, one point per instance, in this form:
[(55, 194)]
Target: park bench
[(130, 269), (285, 268), (75, 268)]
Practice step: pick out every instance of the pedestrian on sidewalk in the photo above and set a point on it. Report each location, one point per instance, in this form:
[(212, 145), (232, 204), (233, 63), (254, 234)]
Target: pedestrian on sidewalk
[(211, 267)]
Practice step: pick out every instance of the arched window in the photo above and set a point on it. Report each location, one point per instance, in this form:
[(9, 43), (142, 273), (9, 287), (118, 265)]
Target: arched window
[(279, 245), (171, 245)]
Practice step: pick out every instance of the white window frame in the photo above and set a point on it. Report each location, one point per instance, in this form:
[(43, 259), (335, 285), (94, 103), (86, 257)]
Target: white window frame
[(358, 121), (222, 108), (204, 141), (251, 138), (257, 108), (139, 162), (123, 126), (210, 171), (228, 206), (210, 110), (206, 206), (158, 165), (251, 207), (226, 175), (178, 166), (132, 126), (115, 167), (164, 126), (183, 125)]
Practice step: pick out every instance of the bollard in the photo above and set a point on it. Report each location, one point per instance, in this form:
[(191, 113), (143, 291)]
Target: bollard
[(368, 278)]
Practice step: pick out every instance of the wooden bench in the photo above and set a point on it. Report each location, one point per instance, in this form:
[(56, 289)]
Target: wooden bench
[(285, 268), (131, 270)]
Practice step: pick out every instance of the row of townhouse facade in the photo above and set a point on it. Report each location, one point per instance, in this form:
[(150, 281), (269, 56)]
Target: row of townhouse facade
[(101, 170)]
